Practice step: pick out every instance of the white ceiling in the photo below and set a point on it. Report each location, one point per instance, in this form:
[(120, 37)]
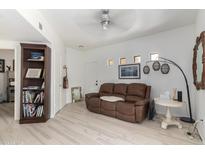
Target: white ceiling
[(14, 27), (82, 27)]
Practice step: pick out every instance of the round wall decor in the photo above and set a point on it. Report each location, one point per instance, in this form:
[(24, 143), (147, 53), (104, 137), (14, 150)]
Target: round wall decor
[(165, 68), (146, 69), (156, 66)]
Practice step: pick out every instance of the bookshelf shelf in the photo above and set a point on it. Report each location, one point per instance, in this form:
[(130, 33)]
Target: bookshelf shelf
[(33, 78), (34, 103), (41, 61), (35, 92), (33, 89)]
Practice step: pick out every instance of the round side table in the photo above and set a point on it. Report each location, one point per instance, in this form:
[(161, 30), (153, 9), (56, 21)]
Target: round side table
[(168, 120)]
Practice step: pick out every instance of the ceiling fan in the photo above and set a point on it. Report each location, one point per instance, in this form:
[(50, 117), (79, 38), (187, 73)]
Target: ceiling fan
[(105, 20)]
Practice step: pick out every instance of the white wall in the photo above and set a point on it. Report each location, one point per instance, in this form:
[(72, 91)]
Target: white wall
[(175, 44), (200, 94), (8, 56), (58, 52), (75, 63)]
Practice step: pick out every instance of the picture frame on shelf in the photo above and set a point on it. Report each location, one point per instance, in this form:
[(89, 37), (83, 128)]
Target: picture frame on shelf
[(129, 71), (2, 65), (33, 73)]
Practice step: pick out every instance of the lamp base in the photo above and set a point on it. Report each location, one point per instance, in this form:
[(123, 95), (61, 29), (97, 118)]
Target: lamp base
[(187, 119)]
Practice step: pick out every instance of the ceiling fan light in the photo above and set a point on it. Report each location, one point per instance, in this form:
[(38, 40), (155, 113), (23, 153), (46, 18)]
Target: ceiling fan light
[(105, 24), (105, 19)]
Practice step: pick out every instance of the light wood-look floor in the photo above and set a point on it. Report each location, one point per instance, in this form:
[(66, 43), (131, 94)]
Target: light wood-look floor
[(74, 124)]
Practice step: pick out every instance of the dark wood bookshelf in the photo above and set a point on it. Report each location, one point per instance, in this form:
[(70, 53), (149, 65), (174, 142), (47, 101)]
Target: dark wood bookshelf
[(37, 112)]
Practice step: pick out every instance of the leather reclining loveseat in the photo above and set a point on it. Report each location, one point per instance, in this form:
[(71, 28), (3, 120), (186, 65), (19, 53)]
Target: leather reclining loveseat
[(132, 108)]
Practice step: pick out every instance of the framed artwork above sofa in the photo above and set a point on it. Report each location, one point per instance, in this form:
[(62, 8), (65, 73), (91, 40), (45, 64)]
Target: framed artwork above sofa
[(129, 71)]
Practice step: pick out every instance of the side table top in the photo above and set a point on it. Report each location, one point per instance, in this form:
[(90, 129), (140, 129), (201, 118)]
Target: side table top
[(168, 103)]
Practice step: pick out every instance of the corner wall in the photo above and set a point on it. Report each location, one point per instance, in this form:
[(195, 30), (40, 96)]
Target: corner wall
[(175, 44)]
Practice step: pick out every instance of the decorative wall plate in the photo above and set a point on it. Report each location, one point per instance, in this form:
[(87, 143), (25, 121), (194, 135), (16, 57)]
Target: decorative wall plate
[(156, 66), (165, 68), (146, 69)]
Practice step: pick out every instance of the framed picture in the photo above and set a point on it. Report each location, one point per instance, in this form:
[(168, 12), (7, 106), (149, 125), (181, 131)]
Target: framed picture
[(129, 71), (33, 73), (2, 65), (76, 94)]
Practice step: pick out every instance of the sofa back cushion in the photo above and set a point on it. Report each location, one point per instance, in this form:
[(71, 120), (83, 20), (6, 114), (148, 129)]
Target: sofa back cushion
[(137, 89), (106, 89), (131, 99), (120, 89)]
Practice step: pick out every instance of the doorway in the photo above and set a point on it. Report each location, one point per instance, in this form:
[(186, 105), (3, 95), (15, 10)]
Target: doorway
[(7, 82), (91, 75)]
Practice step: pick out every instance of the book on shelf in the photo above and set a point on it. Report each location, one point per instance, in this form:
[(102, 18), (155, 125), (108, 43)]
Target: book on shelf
[(33, 97), (43, 75), (31, 110), (31, 88), (43, 85)]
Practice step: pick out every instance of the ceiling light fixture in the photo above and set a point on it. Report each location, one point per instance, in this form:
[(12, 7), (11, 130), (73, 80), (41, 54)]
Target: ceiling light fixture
[(81, 46), (105, 19)]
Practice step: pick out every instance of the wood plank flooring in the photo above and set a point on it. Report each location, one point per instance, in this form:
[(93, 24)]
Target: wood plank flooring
[(74, 124)]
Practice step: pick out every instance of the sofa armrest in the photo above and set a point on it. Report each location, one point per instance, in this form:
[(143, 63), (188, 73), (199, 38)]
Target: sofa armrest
[(89, 95), (142, 102)]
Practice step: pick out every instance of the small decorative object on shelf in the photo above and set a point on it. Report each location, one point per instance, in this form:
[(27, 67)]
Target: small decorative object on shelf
[(179, 96), (35, 83), (146, 69), (174, 91), (165, 68), (36, 56)]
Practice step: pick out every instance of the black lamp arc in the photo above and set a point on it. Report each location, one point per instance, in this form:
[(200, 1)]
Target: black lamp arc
[(185, 119)]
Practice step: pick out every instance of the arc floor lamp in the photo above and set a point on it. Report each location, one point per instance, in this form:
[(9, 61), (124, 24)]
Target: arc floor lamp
[(185, 119)]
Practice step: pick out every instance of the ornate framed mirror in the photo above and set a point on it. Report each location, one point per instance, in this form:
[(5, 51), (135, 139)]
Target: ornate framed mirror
[(199, 62)]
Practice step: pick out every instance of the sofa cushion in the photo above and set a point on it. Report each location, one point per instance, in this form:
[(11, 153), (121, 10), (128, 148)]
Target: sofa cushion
[(118, 95), (133, 98), (125, 108), (106, 105), (94, 102), (106, 89), (120, 89), (136, 89)]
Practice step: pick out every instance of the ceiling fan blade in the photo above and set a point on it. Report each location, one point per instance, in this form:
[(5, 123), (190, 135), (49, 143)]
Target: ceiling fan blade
[(123, 18)]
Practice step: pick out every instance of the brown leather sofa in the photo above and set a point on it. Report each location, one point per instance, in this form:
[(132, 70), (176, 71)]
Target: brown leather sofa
[(134, 108)]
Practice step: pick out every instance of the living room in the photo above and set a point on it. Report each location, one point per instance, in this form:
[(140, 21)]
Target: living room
[(104, 76)]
